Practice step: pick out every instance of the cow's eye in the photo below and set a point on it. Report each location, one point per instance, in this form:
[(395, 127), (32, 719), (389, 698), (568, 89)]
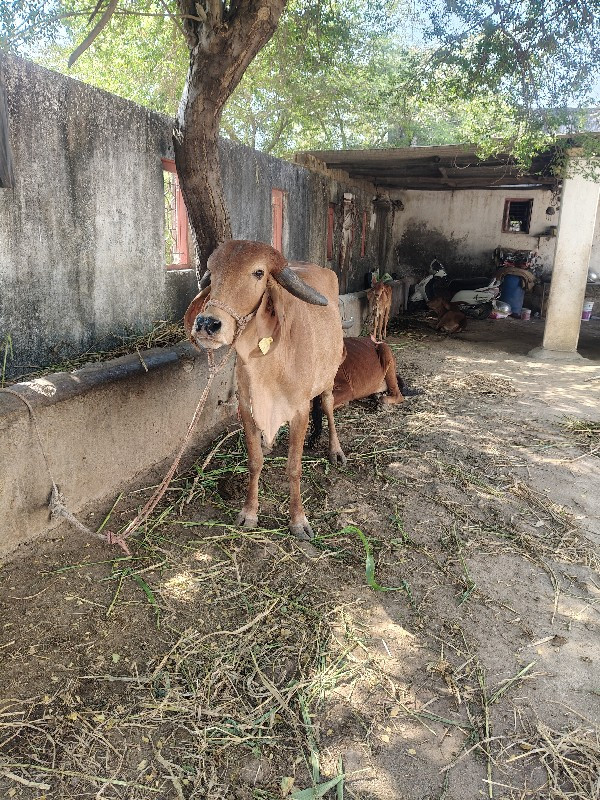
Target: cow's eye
[(258, 273)]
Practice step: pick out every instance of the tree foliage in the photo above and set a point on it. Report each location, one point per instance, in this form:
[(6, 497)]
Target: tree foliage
[(141, 55), (539, 53), (341, 73)]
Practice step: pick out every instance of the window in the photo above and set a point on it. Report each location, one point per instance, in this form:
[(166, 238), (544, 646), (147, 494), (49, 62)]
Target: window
[(176, 221), (330, 225), (517, 216), (6, 163), (363, 235), (277, 204)]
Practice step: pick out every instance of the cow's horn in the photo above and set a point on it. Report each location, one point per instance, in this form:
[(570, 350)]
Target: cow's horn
[(204, 280), (290, 281)]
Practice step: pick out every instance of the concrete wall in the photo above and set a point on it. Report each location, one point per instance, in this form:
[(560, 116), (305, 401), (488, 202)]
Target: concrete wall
[(250, 176), (101, 426), (82, 230), (462, 228)]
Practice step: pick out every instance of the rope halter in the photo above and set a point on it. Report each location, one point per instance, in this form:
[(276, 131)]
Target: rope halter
[(241, 323)]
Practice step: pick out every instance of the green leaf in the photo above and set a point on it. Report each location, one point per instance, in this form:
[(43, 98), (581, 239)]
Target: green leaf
[(370, 562), (316, 791)]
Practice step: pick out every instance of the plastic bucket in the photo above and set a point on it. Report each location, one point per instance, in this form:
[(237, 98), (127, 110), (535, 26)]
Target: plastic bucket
[(525, 313), (588, 307)]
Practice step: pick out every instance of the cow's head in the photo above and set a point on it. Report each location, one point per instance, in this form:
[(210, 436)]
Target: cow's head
[(378, 289), (242, 278)]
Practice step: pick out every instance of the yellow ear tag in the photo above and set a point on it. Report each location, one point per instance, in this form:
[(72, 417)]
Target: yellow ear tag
[(264, 345)]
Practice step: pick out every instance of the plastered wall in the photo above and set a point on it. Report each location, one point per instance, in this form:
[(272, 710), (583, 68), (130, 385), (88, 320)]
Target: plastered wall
[(462, 228), (101, 427)]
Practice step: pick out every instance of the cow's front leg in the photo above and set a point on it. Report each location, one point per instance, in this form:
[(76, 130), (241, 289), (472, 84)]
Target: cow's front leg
[(386, 316), (248, 516), (299, 525), (335, 449)]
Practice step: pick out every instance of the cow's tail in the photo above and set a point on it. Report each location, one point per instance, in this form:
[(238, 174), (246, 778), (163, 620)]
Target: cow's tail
[(316, 428), (406, 390)]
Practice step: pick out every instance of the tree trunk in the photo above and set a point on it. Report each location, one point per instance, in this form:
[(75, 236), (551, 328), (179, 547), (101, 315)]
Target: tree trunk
[(221, 47)]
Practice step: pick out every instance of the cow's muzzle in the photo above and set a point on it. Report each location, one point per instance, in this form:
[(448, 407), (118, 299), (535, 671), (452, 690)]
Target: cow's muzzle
[(209, 325)]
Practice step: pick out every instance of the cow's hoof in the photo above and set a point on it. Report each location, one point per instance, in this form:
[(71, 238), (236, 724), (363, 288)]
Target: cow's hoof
[(302, 530), (337, 457), (391, 399), (247, 521)]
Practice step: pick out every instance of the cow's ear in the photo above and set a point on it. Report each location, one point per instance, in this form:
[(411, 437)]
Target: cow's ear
[(270, 314), (194, 308)]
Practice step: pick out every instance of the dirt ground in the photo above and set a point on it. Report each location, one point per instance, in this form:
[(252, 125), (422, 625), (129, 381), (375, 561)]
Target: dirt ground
[(439, 638)]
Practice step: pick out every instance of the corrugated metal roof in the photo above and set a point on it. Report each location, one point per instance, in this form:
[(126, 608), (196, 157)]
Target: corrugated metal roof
[(444, 167)]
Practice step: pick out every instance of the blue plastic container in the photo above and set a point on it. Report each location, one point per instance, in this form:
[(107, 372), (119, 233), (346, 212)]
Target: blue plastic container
[(512, 293)]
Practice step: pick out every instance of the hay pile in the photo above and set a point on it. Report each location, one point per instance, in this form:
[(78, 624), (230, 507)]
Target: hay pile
[(163, 334)]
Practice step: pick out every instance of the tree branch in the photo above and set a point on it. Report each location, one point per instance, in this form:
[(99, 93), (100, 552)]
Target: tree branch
[(102, 23)]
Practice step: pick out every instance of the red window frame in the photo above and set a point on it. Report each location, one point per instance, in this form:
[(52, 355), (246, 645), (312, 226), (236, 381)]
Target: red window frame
[(181, 225), (330, 226), (277, 203)]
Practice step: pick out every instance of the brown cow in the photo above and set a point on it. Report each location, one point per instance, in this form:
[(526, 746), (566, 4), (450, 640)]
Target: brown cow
[(438, 305), (368, 368), (450, 319), (380, 304), (452, 322), (283, 320)]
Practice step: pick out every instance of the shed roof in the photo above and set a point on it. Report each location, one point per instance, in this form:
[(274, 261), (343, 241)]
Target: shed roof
[(443, 167)]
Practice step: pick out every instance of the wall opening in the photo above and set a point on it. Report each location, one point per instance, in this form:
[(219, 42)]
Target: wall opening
[(278, 202), (517, 216), (177, 231), (6, 160)]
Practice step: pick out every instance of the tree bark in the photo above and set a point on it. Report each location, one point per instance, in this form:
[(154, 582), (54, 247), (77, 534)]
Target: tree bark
[(223, 39)]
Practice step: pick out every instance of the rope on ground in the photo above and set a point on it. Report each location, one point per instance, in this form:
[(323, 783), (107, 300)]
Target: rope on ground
[(57, 501)]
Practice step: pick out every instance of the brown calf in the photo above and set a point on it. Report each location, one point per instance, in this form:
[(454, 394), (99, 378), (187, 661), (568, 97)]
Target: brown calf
[(380, 304), (452, 322), (368, 368), (450, 319)]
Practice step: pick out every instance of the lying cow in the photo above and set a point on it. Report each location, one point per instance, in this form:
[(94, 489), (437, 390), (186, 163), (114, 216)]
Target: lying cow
[(368, 368), (380, 304), (450, 319), (283, 320)]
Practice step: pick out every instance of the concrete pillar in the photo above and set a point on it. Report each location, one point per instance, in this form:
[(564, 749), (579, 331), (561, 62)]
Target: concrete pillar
[(578, 208)]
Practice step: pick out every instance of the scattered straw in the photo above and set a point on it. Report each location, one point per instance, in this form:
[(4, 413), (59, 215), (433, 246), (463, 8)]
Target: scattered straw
[(585, 432), (162, 334), (570, 759)]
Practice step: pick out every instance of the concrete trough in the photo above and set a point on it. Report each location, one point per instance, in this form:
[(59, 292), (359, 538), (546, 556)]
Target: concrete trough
[(101, 427)]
